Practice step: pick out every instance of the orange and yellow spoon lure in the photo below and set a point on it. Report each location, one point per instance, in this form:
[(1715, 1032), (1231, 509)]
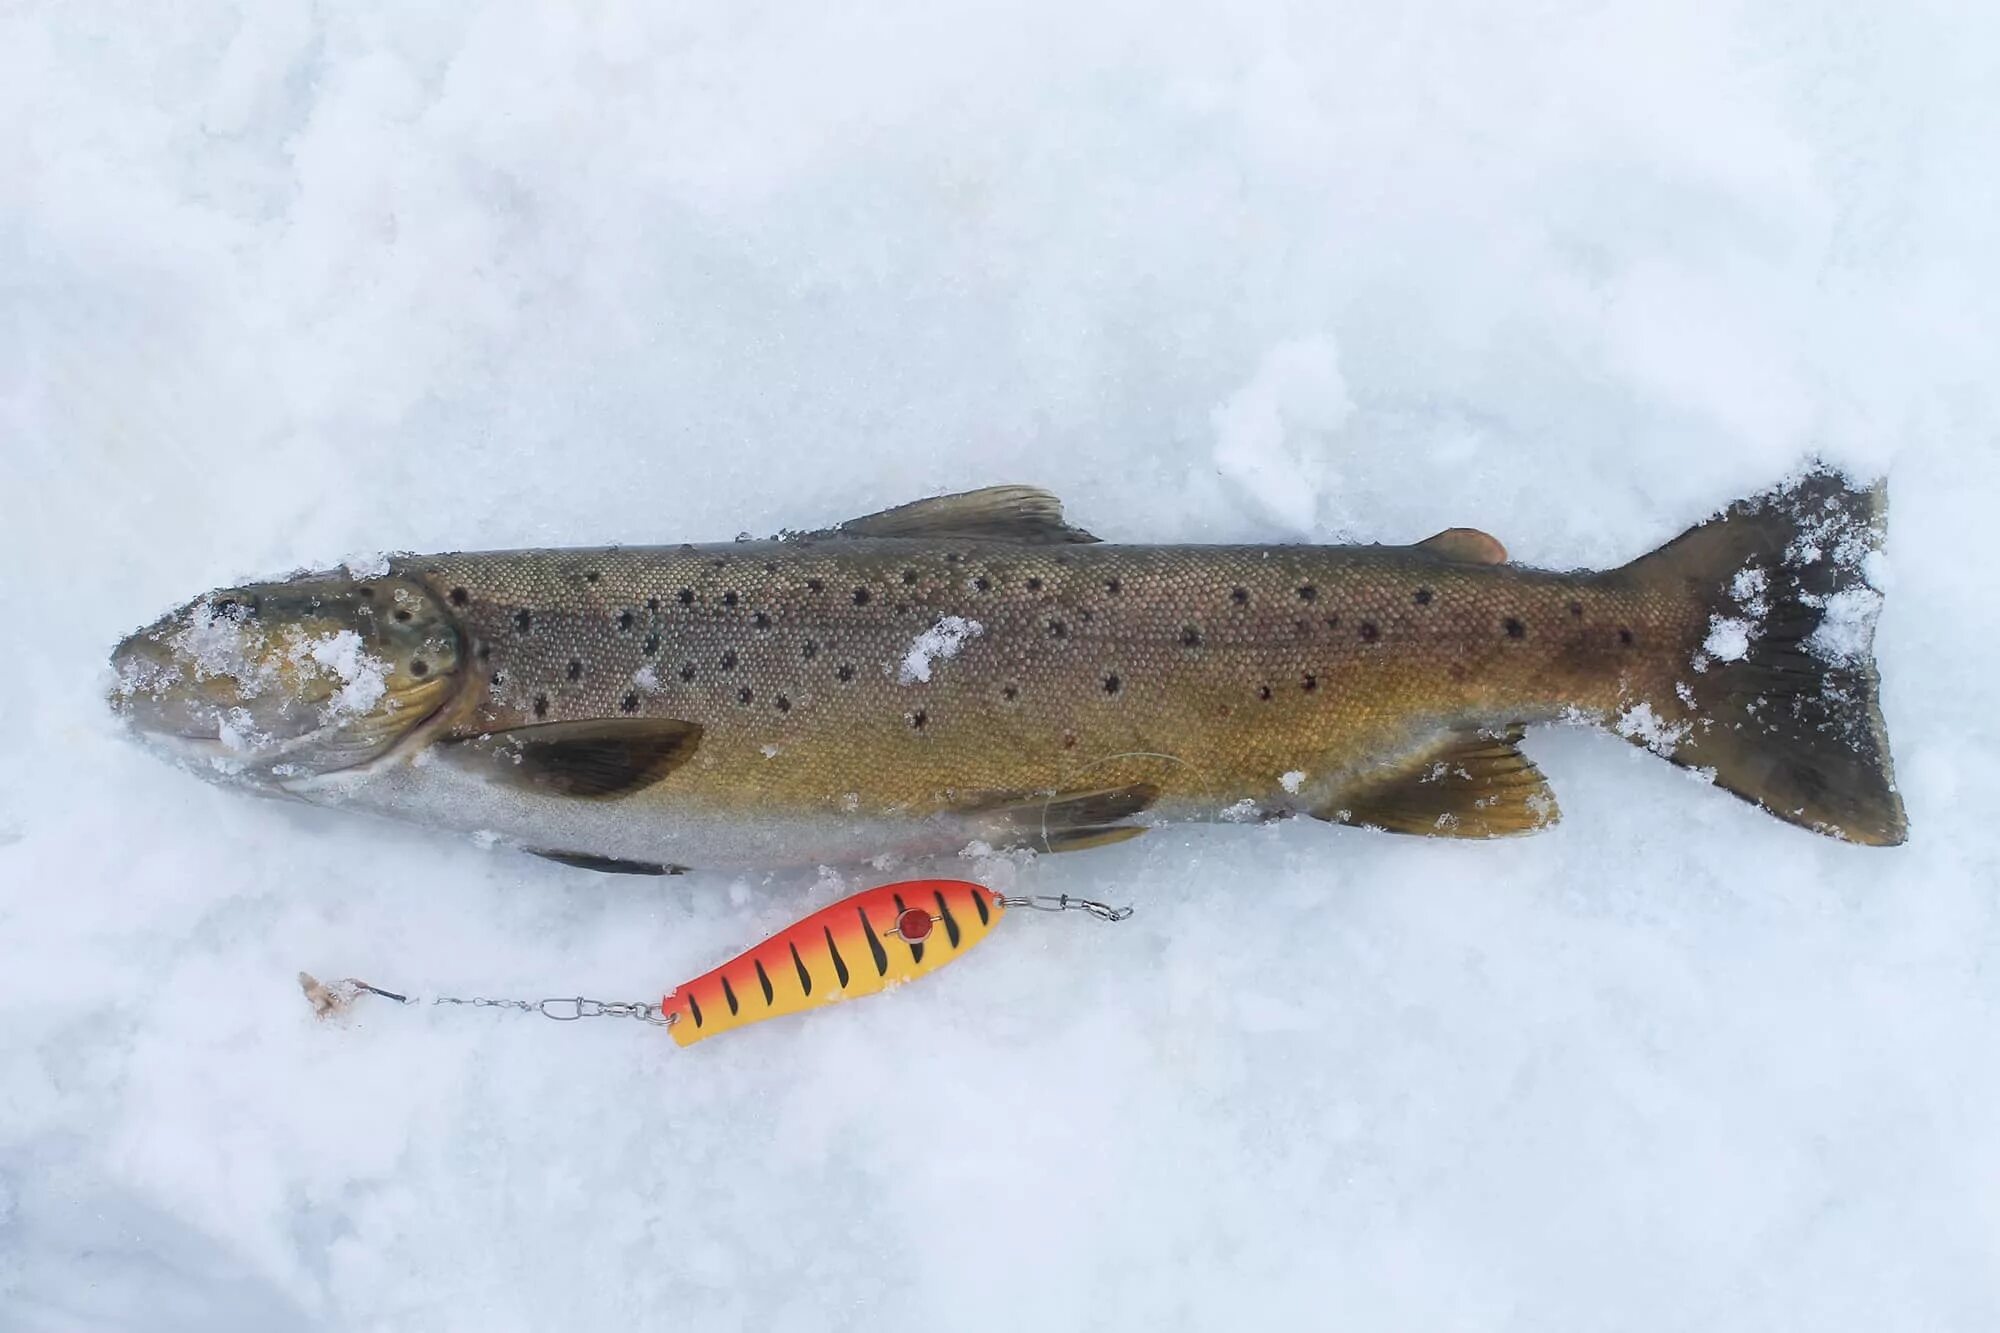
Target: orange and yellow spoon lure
[(864, 944)]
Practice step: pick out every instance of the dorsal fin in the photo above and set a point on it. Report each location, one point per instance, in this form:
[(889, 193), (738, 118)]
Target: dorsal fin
[(590, 760), (1467, 784), (1025, 514), (1467, 545)]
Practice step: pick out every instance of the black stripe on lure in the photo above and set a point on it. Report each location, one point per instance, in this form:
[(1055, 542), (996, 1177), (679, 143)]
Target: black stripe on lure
[(864, 944)]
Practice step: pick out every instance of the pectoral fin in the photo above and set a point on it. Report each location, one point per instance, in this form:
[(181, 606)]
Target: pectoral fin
[(1469, 784), (611, 865), (588, 760), (1024, 514)]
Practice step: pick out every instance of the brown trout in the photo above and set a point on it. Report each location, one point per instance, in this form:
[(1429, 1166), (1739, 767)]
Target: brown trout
[(971, 669)]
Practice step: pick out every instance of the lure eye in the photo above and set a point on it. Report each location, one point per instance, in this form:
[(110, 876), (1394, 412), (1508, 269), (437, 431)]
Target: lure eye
[(913, 924)]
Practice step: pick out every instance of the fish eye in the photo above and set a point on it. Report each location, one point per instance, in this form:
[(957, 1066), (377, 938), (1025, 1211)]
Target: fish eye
[(419, 667)]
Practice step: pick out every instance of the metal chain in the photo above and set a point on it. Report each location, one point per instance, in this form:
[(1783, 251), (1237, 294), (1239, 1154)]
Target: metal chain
[(1044, 902), (562, 1008)]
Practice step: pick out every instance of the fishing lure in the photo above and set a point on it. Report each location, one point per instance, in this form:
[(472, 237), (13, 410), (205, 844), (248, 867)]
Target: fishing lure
[(864, 944)]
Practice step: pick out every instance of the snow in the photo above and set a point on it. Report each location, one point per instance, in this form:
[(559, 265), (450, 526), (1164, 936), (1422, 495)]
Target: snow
[(940, 642), (287, 281), (1729, 637)]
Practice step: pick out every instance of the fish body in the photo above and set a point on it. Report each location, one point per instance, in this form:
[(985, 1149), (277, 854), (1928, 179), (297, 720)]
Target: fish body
[(971, 669)]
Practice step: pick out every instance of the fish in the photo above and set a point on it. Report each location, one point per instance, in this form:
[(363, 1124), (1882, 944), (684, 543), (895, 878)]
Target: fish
[(973, 672)]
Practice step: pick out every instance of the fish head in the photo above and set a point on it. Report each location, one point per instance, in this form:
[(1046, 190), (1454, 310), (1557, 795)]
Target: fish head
[(274, 681)]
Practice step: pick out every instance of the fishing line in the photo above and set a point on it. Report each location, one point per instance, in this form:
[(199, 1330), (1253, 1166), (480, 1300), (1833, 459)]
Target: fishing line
[(866, 943)]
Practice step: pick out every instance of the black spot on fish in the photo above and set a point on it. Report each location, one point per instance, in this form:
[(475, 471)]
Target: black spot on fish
[(761, 620), (1515, 629), (983, 583), (1240, 596), (1309, 683), (909, 576), (817, 585), (630, 703), (730, 598), (1111, 683), (952, 557), (685, 596), (652, 604), (809, 650), (687, 671), (846, 671), (1576, 609), (1302, 628), (1333, 622), (590, 576), (784, 704), (1113, 586), (625, 621), (1010, 692), (1264, 692), (1422, 597), (1308, 593), (918, 718), (1190, 636), (652, 644), (861, 596), (483, 651), (419, 667), (720, 563), (1033, 584), (541, 705), (459, 596), (401, 613), (1369, 632), (744, 697), (1058, 630), (499, 679), (523, 621), (575, 669), (728, 659), (1625, 637)]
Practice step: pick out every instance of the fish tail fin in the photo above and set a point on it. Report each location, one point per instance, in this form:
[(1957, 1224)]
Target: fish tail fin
[(1781, 700)]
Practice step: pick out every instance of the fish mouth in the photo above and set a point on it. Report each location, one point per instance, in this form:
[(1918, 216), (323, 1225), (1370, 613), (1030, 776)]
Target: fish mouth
[(272, 682)]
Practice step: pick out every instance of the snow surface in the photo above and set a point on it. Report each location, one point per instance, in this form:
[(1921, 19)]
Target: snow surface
[(285, 281)]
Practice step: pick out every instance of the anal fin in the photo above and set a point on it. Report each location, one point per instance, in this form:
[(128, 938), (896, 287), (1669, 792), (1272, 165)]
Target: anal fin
[(1467, 784)]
